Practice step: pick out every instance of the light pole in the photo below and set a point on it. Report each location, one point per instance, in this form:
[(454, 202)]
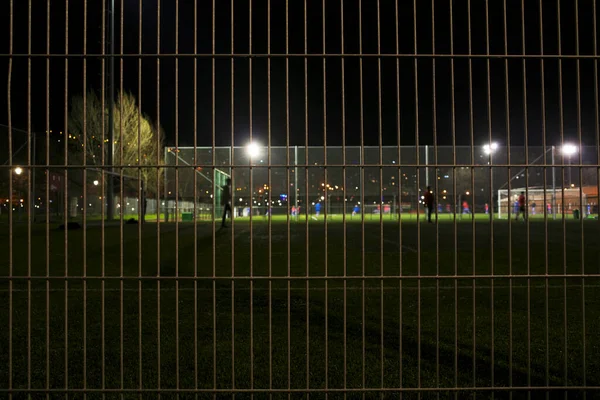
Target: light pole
[(490, 149), (18, 171), (569, 150), (253, 150)]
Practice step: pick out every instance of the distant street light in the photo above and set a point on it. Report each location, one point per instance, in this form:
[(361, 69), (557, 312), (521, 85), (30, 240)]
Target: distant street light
[(18, 170), (96, 183)]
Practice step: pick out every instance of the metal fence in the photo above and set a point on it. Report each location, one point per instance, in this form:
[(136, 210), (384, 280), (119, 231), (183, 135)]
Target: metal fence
[(412, 211)]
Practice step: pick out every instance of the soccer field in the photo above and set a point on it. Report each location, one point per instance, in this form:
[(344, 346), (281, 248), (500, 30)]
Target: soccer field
[(404, 305)]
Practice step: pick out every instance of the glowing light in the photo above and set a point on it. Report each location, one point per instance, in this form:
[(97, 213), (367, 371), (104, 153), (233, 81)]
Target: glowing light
[(490, 148), (253, 150), (18, 170), (569, 149), (96, 183)]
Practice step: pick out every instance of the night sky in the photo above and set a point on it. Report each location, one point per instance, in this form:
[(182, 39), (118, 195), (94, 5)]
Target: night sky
[(175, 108)]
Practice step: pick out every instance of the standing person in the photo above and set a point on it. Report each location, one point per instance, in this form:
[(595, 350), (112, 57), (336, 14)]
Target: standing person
[(487, 208), (318, 209), (533, 208), (429, 200), (522, 209), (226, 201)]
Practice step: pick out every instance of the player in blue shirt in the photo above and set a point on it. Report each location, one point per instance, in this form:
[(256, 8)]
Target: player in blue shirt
[(318, 208)]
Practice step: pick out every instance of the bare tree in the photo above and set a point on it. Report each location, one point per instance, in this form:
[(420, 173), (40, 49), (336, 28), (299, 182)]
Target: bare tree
[(137, 142)]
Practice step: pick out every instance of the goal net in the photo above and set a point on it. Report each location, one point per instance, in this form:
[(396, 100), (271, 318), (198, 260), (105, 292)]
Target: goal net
[(540, 201)]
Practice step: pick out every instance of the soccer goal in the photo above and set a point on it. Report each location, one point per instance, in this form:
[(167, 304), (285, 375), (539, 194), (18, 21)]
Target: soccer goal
[(541, 201), (198, 190)]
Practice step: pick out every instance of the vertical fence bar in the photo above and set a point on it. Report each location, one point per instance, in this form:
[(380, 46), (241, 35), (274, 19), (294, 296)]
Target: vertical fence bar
[(306, 204), (453, 130), (526, 131), (399, 139), (362, 191), (10, 208), (85, 198), (31, 197), (344, 182), (510, 259), (104, 199), (380, 201), (288, 184), (472, 140), (214, 236), (562, 181), (418, 176), (489, 120), (251, 162), (232, 127), (142, 196), (596, 106), (546, 246), (47, 197), (66, 197), (158, 230), (327, 203), (122, 207), (582, 211), (435, 191), (269, 197), (177, 380)]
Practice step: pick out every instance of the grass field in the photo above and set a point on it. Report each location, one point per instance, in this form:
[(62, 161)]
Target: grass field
[(363, 327)]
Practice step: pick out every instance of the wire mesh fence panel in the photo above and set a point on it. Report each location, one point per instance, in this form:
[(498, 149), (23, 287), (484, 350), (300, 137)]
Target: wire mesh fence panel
[(299, 199)]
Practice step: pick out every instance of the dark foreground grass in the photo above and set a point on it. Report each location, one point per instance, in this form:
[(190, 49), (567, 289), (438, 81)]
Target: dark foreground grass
[(370, 330)]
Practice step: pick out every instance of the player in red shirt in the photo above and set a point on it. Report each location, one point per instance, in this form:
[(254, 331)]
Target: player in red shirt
[(429, 200), (522, 207)]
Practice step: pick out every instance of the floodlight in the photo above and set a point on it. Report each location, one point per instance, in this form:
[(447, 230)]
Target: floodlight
[(569, 149), (490, 148), (253, 150)]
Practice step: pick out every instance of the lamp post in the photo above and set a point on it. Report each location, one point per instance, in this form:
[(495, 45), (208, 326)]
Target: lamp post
[(253, 150), (569, 150), (490, 149)]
